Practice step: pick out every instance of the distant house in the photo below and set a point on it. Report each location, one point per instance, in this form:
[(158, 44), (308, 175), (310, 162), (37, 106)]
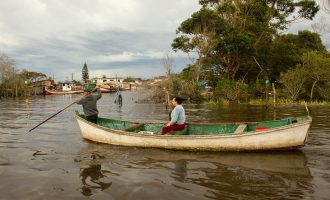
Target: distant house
[(157, 80), (46, 83), (112, 81), (116, 82), (129, 86), (38, 86)]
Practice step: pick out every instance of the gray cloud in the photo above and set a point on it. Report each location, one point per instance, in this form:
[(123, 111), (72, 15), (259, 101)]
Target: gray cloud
[(57, 37), (127, 37)]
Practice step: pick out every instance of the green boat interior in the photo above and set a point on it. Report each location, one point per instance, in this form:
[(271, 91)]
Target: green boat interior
[(198, 129)]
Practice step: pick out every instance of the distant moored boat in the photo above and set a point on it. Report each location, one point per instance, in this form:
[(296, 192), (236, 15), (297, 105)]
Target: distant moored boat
[(49, 91)]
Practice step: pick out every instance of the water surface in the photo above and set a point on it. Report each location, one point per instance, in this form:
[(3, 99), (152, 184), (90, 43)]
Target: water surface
[(54, 162)]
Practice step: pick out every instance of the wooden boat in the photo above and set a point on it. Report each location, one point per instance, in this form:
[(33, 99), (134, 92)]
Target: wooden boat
[(107, 90), (48, 91), (287, 133)]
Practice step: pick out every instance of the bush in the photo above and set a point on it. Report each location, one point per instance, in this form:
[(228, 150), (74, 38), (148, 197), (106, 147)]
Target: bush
[(230, 90), (175, 86)]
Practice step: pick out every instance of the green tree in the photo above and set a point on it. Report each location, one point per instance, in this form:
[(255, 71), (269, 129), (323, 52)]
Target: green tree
[(326, 90), (84, 73), (318, 66), (129, 79), (31, 76), (198, 36), (286, 51), (294, 80), (76, 83), (227, 33)]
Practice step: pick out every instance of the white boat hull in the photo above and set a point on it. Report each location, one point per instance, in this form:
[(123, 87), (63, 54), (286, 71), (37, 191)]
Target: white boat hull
[(286, 137), (67, 92)]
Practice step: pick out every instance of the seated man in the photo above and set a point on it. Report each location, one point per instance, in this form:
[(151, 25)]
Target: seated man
[(178, 117)]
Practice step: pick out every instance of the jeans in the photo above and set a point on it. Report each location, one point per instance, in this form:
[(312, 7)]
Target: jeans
[(175, 127)]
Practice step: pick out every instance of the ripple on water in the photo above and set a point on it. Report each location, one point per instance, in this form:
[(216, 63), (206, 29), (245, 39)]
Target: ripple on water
[(76, 169)]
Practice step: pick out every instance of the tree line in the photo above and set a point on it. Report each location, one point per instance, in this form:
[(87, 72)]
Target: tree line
[(13, 82), (239, 49)]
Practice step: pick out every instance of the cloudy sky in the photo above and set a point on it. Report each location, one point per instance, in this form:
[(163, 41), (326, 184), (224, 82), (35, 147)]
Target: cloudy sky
[(114, 37)]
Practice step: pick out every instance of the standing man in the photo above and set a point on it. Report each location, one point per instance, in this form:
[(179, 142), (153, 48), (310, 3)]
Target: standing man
[(88, 102), (119, 98)]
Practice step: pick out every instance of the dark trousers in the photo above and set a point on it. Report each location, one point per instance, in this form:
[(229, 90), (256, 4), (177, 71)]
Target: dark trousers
[(175, 127), (92, 118)]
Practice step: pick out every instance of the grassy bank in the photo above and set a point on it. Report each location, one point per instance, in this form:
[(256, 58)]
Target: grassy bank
[(260, 101)]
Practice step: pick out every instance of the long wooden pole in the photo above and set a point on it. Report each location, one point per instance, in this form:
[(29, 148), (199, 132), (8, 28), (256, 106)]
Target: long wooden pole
[(306, 108), (52, 116), (57, 113), (274, 100), (274, 94)]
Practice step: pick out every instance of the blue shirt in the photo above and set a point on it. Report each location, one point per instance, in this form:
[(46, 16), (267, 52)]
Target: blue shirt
[(177, 115)]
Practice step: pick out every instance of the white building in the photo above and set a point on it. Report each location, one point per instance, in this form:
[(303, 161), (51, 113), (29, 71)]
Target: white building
[(112, 81)]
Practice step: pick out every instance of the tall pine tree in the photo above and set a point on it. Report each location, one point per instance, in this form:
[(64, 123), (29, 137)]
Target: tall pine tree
[(84, 72)]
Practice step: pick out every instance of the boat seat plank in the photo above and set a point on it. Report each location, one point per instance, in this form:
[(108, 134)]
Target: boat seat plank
[(133, 127), (240, 129)]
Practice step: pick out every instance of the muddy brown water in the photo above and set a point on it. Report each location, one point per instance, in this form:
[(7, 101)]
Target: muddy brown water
[(55, 162)]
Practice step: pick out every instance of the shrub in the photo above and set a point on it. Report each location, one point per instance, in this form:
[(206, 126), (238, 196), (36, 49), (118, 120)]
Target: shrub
[(230, 90)]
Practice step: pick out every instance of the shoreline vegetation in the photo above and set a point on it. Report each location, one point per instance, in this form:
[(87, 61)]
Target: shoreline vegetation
[(250, 62), (155, 97), (16, 83)]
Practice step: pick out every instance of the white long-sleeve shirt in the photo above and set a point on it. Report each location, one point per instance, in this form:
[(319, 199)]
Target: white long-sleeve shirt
[(177, 115)]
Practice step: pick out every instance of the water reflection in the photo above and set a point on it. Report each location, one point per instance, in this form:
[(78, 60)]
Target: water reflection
[(205, 174), (103, 171), (180, 170), (92, 175), (27, 108)]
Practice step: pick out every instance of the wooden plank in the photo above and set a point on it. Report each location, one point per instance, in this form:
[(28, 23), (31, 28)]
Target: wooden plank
[(240, 129)]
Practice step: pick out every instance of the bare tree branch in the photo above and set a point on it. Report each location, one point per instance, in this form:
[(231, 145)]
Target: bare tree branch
[(168, 63)]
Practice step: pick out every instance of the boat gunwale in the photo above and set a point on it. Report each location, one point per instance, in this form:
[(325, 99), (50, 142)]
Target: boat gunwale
[(188, 123), (212, 136)]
